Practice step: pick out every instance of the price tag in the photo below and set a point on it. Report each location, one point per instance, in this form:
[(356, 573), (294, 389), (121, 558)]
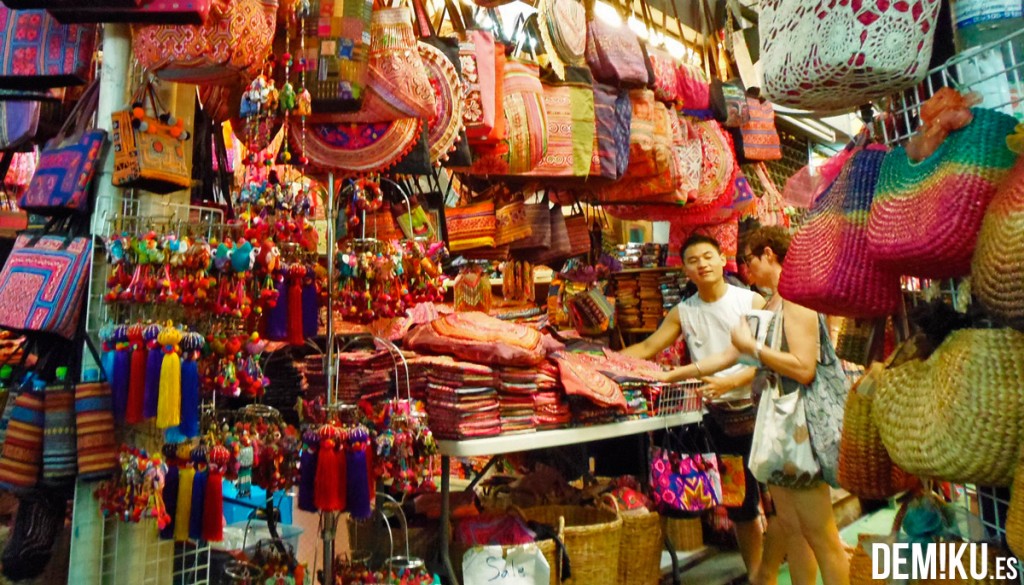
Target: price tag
[(521, 565)]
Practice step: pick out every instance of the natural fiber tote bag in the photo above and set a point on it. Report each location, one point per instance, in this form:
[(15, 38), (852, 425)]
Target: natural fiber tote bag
[(826, 55), (926, 215), (929, 413), (997, 271), (828, 267)]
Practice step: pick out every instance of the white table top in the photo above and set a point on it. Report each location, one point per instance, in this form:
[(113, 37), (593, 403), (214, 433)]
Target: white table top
[(543, 439)]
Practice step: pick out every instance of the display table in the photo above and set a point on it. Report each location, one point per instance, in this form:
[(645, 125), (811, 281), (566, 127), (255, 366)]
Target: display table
[(503, 444)]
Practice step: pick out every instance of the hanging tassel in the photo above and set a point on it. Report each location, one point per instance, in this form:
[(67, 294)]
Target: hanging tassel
[(109, 354), (358, 474), (295, 333), (310, 306), (191, 343), (168, 411), (307, 472), (122, 372), (343, 472), (213, 507), (183, 510), (277, 317), (327, 492), (170, 500), (154, 360), (137, 379), (195, 518)]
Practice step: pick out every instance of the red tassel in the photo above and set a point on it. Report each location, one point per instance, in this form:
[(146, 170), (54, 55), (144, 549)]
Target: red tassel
[(295, 331), (342, 475), (137, 377), (327, 480), (213, 507), (369, 475)]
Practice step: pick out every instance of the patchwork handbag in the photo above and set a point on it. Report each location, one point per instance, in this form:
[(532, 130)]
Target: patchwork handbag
[(482, 84), (37, 52), (133, 11), (511, 222), (729, 103), (613, 114), (926, 215), (526, 124), (231, 45), (874, 49), (43, 284), (828, 267), (337, 51), (67, 163), (149, 153), (569, 107), (693, 87), (22, 455), (679, 482), (758, 137)]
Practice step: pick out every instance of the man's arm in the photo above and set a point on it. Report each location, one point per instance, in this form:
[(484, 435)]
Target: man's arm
[(666, 334), (702, 368)]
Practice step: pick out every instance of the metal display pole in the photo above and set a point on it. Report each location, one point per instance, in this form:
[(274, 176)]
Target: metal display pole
[(330, 519)]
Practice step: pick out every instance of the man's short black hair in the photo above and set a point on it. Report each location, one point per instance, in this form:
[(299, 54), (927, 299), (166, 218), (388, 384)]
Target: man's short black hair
[(698, 239)]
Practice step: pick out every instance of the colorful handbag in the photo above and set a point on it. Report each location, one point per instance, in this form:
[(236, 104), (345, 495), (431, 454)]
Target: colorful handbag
[(926, 215), (482, 85), (828, 267), (567, 26), (149, 12), (470, 226), (539, 224), (60, 449), (680, 483), (614, 55), (875, 49), (337, 53), (558, 248), (734, 480), (578, 227), (232, 44), (759, 139), (569, 106), (22, 457), (693, 87), (149, 154), (356, 148), (650, 136), (67, 164), (43, 284), (18, 123), (445, 128), (511, 222), (37, 52), (94, 425), (613, 113), (526, 124), (729, 103)]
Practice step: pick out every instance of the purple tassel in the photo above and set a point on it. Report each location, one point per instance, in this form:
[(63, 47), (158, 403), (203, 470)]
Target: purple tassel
[(310, 309), (122, 378), (189, 424), (154, 361), (277, 318), (307, 480), (195, 520), (358, 483), (170, 500)]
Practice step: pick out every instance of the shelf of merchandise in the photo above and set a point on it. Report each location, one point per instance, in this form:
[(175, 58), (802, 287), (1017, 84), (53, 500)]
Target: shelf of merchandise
[(658, 269), (501, 445)]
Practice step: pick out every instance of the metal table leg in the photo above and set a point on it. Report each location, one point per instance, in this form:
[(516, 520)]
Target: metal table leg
[(446, 519)]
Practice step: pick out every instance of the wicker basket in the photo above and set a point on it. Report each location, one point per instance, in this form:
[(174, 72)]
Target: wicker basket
[(1015, 517), (547, 548), (640, 547), (686, 534), (592, 537)]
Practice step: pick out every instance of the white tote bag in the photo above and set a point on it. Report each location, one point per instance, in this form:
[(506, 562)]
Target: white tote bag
[(781, 453)]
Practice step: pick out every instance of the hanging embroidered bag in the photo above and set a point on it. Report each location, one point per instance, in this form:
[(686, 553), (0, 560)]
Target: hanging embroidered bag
[(614, 55), (37, 52), (759, 139), (149, 12), (569, 107), (337, 53), (149, 154), (613, 114)]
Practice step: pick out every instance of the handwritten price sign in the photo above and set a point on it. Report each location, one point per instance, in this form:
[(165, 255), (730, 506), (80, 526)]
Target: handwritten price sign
[(490, 565)]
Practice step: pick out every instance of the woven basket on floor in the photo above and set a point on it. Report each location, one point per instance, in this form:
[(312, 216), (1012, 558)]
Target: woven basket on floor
[(686, 534), (957, 416), (592, 537), (547, 548), (865, 468), (640, 546)]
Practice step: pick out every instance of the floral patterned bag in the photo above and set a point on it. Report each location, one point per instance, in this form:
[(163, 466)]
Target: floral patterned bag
[(680, 483)]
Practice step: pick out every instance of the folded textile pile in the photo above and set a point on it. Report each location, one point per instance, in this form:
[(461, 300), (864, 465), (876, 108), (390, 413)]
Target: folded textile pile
[(549, 403), (627, 302), (365, 375), (581, 379), (636, 394), (671, 285), (483, 339), (651, 310), (516, 390), (462, 399), (312, 368)]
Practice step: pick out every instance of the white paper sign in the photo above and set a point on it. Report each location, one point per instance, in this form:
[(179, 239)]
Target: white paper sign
[(521, 565)]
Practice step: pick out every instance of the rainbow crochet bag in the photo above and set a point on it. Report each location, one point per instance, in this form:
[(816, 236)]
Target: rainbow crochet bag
[(925, 216), (997, 272), (828, 267)]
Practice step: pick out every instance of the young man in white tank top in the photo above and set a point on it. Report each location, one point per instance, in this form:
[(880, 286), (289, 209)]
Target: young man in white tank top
[(706, 320)]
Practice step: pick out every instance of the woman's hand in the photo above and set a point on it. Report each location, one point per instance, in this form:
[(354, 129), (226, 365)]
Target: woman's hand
[(743, 338), (715, 386)]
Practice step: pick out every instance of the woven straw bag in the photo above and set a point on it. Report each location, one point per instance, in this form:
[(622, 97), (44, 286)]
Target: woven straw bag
[(997, 272), (827, 55), (865, 468), (592, 538), (640, 545), (828, 268), (926, 216), (957, 415), (1015, 517)]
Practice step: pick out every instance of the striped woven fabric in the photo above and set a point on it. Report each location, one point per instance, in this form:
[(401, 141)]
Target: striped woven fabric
[(926, 215), (60, 447), (94, 419), (471, 226), (760, 138), (23, 447)]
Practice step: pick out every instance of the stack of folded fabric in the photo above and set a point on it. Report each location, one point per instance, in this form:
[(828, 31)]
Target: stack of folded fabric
[(312, 368), (671, 285), (627, 302), (516, 390), (419, 368), (366, 375), (549, 403), (587, 413), (462, 399), (650, 300), (636, 398)]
